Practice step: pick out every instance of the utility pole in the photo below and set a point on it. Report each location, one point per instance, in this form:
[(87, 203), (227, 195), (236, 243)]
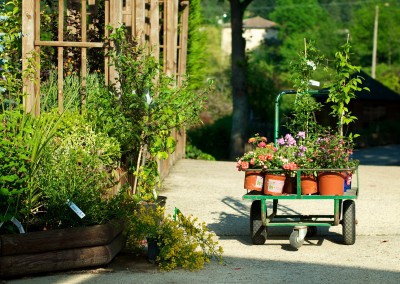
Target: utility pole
[(375, 43)]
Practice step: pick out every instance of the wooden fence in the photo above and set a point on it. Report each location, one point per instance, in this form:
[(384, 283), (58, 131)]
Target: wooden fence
[(160, 24)]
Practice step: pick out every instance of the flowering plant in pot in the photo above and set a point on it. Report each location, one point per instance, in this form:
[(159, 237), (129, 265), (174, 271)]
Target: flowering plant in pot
[(334, 152), (300, 151), (258, 159)]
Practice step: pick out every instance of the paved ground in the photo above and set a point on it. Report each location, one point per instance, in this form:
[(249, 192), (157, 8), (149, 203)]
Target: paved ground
[(213, 191)]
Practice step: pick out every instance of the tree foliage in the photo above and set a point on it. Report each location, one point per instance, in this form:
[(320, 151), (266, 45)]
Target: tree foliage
[(196, 67)]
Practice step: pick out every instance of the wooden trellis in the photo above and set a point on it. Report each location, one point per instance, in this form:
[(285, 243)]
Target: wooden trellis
[(147, 20)]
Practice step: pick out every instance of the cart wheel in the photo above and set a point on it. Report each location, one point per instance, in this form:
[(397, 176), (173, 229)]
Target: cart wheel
[(295, 240), (258, 232), (348, 222), (311, 231)]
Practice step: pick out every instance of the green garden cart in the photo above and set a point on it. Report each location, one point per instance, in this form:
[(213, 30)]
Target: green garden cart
[(262, 216)]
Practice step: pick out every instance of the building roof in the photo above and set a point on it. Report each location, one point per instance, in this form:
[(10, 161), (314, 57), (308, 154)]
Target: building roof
[(378, 91), (255, 23), (258, 23)]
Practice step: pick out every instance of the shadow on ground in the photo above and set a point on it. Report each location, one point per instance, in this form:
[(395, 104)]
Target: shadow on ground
[(388, 155)]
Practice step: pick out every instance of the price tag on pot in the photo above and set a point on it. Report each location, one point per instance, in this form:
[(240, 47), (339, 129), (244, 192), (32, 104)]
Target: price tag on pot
[(75, 209)]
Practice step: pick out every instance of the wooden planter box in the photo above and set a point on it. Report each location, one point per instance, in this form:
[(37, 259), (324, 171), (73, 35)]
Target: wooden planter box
[(55, 250)]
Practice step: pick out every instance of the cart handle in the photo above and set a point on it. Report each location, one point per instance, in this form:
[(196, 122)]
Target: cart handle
[(289, 92)]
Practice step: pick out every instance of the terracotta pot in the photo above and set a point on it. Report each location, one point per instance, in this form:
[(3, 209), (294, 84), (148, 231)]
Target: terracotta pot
[(331, 183), (254, 181), (290, 186), (308, 185), (273, 184)]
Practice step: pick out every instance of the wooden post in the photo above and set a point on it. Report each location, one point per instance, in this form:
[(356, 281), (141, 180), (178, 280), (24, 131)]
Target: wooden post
[(171, 35), (83, 51), (154, 40), (106, 34), (115, 21), (139, 17), (183, 38), (127, 13), (60, 56), (28, 46), (37, 59)]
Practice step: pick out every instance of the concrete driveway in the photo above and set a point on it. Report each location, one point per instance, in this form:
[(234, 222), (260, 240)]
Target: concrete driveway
[(212, 191)]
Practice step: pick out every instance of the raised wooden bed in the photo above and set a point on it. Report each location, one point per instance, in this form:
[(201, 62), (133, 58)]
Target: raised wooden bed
[(55, 250)]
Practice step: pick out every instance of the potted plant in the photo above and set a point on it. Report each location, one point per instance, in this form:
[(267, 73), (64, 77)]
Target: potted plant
[(300, 150), (256, 160), (173, 241), (334, 154), (265, 166), (61, 195)]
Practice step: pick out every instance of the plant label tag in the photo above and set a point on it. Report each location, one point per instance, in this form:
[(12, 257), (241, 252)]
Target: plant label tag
[(18, 225), (75, 209), (259, 182), (275, 186)]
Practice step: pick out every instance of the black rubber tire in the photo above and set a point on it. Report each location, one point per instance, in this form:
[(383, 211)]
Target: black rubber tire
[(349, 222), (294, 239), (258, 232), (311, 231)]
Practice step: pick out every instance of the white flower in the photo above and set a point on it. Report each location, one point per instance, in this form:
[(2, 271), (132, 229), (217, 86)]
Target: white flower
[(311, 64)]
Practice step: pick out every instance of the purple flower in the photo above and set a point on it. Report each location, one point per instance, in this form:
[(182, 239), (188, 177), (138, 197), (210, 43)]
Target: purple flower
[(302, 148), (290, 140), (288, 137), (280, 141), (301, 134)]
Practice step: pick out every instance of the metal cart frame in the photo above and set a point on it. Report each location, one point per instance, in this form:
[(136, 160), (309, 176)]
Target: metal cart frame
[(344, 208)]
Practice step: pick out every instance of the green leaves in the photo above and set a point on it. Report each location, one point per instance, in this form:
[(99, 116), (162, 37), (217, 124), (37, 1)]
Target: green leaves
[(344, 87), (152, 105)]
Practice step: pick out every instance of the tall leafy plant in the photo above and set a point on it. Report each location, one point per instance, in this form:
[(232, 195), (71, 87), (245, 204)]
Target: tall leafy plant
[(153, 103), (24, 139), (10, 51), (305, 107), (344, 87)]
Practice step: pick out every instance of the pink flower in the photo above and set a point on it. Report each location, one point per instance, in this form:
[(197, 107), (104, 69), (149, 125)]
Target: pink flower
[(252, 140), (252, 161), (290, 166), (262, 158), (245, 165), (262, 145)]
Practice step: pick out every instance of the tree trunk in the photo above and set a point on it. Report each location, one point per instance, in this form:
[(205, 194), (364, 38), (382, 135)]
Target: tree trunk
[(238, 79)]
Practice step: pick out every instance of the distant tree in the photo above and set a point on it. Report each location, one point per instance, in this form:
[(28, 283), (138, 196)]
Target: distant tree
[(196, 67), (238, 79), (362, 30)]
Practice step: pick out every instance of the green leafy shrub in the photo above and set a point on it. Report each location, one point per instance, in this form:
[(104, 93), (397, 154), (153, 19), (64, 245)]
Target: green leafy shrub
[(14, 162), (213, 138), (183, 241), (192, 152), (152, 105), (78, 168), (25, 139)]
